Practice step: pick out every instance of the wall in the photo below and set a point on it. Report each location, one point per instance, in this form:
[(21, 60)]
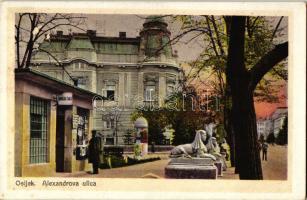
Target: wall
[(23, 91), (22, 133)]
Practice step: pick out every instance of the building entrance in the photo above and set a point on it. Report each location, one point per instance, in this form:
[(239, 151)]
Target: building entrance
[(60, 139)]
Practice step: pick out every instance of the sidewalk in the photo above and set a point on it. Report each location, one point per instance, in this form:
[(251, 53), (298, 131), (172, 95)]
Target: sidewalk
[(152, 169), (273, 169)]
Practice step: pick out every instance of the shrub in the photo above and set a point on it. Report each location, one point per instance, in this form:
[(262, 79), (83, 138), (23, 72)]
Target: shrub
[(271, 138), (114, 161), (282, 137)]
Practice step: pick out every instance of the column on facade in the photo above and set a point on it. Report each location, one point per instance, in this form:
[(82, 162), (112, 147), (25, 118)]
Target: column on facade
[(93, 81), (127, 90), (121, 89), (140, 93), (69, 137), (162, 88)]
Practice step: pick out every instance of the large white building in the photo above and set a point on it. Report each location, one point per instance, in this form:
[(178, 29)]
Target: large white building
[(278, 118), (129, 72), (272, 124)]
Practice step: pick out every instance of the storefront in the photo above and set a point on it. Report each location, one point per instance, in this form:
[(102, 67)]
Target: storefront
[(53, 121)]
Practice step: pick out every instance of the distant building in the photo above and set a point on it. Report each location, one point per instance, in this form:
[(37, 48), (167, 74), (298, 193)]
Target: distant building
[(261, 128), (278, 118), (127, 71), (273, 123)]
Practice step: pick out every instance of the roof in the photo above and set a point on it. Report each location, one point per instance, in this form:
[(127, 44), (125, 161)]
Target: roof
[(80, 43), (280, 111), (30, 75), (141, 122), (95, 38), (54, 46)]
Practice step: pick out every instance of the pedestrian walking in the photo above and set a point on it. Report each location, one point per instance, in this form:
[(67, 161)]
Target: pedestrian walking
[(94, 151), (259, 146), (265, 147)]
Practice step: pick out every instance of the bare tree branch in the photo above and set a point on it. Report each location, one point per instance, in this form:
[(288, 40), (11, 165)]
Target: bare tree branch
[(58, 62), (276, 28), (39, 25), (218, 39)]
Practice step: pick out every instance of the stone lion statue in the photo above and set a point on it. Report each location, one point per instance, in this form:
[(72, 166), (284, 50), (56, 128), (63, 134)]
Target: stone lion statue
[(195, 149)]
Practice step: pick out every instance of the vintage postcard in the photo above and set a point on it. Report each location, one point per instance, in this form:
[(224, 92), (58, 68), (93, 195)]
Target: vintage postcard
[(153, 100)]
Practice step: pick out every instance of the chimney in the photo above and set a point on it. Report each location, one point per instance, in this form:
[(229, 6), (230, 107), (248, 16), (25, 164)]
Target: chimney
[(59, 33), (91, 32), (122, 34)]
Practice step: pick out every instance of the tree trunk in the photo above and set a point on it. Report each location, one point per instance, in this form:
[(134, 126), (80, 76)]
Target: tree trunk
[(244, 121), (243, 116), (242, 84)]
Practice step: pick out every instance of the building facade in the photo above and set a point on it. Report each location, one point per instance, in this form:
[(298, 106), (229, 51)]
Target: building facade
[(127, 72), (264, 127), (261, 127), (273, 123), (53, 121), (278, 118)]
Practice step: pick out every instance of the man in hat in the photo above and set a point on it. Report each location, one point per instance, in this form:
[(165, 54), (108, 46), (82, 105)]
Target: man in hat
[(94, 151)]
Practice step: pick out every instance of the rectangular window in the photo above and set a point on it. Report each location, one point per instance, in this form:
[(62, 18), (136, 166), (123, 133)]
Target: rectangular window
[(39, 110), (109, 141), (81, 81), (110, 123), (150, 93), (110, 95), (110, 92)]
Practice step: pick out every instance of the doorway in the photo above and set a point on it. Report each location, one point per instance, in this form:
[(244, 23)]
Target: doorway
[(60, 141)]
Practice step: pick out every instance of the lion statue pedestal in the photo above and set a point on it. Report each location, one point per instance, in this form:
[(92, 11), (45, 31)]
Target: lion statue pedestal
[(191, 161), (187, 168)]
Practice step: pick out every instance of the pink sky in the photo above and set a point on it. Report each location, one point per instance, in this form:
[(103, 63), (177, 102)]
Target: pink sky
[(264, 109)]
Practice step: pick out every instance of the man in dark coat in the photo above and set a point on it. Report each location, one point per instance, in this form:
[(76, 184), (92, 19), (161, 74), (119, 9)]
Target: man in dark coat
[(94, 151), (265, 151)]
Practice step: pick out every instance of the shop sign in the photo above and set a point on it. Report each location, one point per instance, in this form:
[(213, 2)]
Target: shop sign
[(65, 99)]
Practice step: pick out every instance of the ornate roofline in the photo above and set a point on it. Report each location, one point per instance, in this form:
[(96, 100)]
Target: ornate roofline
[(118, 64)]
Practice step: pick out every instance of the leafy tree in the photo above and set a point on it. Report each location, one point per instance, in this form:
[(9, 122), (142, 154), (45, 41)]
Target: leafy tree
[(243, 82), (191, 116), (113, 116), (214, 32), (128, 137), (271, 138), (184, 118)]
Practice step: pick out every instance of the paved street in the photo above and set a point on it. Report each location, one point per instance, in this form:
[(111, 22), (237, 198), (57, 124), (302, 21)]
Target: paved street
[(273, 169), (276, 166)]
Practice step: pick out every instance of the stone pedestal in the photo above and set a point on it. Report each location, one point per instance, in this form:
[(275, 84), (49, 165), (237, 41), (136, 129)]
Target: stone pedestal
[(191, 168), (219, 167)]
